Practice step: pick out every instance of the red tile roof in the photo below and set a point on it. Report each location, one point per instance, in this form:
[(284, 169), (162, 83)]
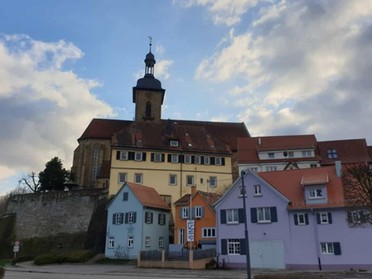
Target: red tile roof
[(248, 148), (193, 135), (209, 198), (348, 151), (288, 183), (148, 196)]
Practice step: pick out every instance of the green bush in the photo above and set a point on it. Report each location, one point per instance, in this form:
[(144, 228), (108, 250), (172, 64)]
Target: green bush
[(79, 256)]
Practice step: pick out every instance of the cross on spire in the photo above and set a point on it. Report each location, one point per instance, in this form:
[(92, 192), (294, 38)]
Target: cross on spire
[(150, 44)]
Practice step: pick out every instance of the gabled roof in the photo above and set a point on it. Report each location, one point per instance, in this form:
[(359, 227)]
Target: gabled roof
[(209, 199), (193, 135), (349, 151), (288, 183), (248, 148), (147, 196)]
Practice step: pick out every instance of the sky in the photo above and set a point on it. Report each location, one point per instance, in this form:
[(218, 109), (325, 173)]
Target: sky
[(284, 67)]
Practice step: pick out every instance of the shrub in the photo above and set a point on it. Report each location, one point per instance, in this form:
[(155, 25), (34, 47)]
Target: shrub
[(78, 256), (2, 272)]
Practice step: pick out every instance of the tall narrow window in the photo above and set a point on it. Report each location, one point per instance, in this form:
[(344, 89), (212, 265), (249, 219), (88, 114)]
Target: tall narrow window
[(148, 109), (181, 236), (95, 169)]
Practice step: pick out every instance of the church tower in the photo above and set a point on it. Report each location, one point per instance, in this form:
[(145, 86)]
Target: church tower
[(148, 94)]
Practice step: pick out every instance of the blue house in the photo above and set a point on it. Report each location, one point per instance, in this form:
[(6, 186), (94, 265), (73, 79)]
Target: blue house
[(137, 220)]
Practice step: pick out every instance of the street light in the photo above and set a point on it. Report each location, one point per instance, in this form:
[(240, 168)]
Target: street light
[(248, 261)]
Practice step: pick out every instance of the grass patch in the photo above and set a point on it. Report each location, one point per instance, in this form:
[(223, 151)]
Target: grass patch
[(78, 256), (5, 262)]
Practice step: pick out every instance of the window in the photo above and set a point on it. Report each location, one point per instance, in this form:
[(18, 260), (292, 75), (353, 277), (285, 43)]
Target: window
[(254, 169), (207, 160), (123, 155), (172, 179), (130, 241), (188, 159), (130, 217), (301, 219), (213, 181), (122, 177), (197, 159), (233, 246), (185, 212), (161, 219), (157, 157), (161, 242), (324, 218), (257, 190), (148, 241), (138, 177), (356, 217), (232, 216), (271, 155), (148, 217), (331, 248), (263, 215), (111, 243), (313, 166), (332, 154), (138, 156), (198, 211), (189, 180), (174, 158), (208, 232), (271, 168), (148, 109), (315, 193), (181, 236), (117, 218), (290, 154), (125, 196), (218, 161), (173, 143), (306, 153)]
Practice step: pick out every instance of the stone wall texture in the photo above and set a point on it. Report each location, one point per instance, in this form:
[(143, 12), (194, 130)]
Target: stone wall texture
[(52, 213)]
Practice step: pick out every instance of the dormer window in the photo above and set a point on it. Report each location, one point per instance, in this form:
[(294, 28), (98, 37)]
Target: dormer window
[(306, 153), (332, 154), (271, 155), (316, 193), (173, 143)]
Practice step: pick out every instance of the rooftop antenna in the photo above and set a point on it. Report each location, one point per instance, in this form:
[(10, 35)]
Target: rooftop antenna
[(150, 44)]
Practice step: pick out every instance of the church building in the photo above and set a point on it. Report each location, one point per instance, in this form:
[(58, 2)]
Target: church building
[(172, 155)]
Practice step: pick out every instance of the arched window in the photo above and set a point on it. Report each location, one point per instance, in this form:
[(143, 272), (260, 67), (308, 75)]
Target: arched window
[(148, 110)]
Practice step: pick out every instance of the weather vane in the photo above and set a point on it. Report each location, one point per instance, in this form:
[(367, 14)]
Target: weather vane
[(150, 38)]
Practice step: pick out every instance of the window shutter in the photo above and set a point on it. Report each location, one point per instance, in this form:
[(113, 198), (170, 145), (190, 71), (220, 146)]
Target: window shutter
[(362, 216), (113, 218), (126, 218), (241, 215), (307, 219), (117, 155), (151, 217), (193, 211), (181, 158), (224, 246), (202, 160), (202, 211), (143, 156), (169, 158), (242, 246), (152, 157), (162, 157), (193, 159), (223, 161), (254, 215), (134, 217), (329, 217), (212, 161), (223, 217), (274, 215), (337, 248), (130, 155), (295, 219), (121, 218), (318, 218)]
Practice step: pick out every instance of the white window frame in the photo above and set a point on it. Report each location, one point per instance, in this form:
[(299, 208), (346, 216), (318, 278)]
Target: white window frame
[(257, 190), (327, 248), (122, 175), (148, 219), (307, 153), (162, 219), (207, 160), (189, 180), (209, 232), (123, 156), (218, 161), (263, 215), (271, 168), (173, 143), (131, 217), (198, 210), (188, 159), (130, 241), (140, 176), (119, 217), (111, 243), (213, 181), (197, 159), (173, 179), (174, 158), (271, 155), (185, 212), (138, 156), (332, 153), (147, 241), (161, 242), (233, 246), (290, 154), (232, 216), (301, 219), (158, 157), (324, 218), (355, 216), (316, 193)]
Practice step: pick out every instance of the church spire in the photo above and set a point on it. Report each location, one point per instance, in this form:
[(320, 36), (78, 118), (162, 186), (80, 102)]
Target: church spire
[(150, 60)]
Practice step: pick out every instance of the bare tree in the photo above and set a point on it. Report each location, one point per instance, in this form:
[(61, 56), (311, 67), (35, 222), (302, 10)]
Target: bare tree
[(31, 181), (357, 183)]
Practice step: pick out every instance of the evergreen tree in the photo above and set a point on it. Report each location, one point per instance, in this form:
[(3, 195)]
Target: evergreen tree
[(53, 176)]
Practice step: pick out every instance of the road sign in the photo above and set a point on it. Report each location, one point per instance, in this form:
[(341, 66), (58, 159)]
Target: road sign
[(190, 230)]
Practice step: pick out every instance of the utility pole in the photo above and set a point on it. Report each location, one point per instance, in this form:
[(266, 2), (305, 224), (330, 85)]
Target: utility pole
[(248, 261)]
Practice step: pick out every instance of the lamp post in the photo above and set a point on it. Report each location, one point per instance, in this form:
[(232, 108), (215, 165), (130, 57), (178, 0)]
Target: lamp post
[(248, 261)]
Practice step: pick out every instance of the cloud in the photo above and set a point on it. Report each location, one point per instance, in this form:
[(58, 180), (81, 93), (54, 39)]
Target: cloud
[(299, 67), (43, 108)]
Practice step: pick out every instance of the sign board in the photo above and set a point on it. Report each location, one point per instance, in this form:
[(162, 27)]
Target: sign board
[(16, 248), (190, 230)]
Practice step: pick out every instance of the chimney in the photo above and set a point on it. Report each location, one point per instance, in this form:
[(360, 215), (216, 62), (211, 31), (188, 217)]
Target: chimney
[(338, 167), (193, 190)]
